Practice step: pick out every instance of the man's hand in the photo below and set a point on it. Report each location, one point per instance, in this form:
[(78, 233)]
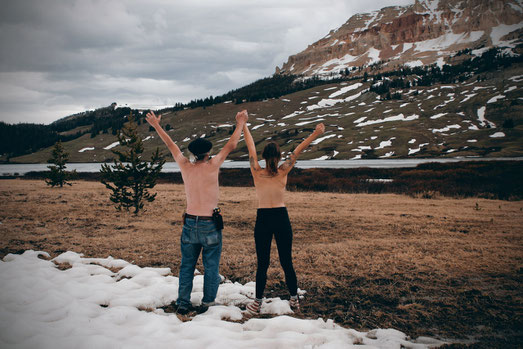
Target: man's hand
[(320, 129), (152, 119), (242, 117)]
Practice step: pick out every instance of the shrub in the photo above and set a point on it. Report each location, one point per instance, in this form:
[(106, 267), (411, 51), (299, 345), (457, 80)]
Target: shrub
[(130, 178), (58, 176)]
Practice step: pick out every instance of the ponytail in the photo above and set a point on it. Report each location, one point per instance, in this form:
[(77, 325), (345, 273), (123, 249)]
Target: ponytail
[(272, 166), (272, 155)]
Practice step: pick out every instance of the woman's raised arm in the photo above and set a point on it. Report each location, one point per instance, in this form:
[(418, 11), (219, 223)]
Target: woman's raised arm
[(289, 163)]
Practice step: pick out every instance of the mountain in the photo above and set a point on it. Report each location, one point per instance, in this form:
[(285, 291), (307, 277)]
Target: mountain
[(435, 79), (427, 32)]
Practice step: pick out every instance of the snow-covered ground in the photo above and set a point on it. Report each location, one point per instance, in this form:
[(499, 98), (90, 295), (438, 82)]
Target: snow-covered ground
[(112, 145), (110, 303), (399, 117)]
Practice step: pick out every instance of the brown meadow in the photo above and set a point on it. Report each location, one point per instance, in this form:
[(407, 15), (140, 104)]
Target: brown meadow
[(444, 267)]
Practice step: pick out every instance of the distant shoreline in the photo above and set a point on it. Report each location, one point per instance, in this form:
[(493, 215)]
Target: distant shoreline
[(488, 179), (10, 169)]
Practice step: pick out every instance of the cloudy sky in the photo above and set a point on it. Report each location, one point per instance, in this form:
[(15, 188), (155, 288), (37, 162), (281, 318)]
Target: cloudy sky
[(63, 57)]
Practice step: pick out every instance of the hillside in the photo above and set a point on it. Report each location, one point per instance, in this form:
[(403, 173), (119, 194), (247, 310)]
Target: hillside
[(439, 95), (473, 118)]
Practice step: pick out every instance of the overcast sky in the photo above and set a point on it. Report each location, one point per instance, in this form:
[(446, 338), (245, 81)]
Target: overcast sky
[(63, 57)]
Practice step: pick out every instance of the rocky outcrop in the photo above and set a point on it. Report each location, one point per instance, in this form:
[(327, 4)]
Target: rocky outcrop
[(427, 32)]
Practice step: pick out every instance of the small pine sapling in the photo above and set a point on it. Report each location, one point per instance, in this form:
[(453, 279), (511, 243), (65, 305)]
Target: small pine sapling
[(130, 178), (58, 176)]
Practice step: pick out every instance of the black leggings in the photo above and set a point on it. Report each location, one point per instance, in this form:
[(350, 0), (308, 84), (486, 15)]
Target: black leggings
[(274, 221)]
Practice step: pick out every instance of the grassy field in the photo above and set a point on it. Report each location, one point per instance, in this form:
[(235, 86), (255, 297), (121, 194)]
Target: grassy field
[(444, 267)]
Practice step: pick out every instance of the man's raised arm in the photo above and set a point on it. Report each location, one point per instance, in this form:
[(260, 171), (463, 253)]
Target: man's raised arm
[(154, 121), (241, 119), (289, 163)]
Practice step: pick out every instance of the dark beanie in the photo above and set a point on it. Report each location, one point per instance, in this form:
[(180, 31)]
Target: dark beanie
[(199, 147)]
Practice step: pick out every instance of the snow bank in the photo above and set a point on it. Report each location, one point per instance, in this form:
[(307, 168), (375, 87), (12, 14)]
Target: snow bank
[(447, 40), (85, 149), (328, 102), (308, 122), (323, 157), (373, 55), (437, 116), (440, 62), (399, 117), (482, 120), (497, 135), (346, 89), (446, 128), (414, 64), (321, 139), (387, 155), (384, 144), (495, 99), (416, 150), (112, 145), (293, 114), (336, 64), (467, 97), (500, 31), (90, 306)]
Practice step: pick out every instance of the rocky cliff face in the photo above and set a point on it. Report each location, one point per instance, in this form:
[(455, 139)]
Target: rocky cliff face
[(427, 32)]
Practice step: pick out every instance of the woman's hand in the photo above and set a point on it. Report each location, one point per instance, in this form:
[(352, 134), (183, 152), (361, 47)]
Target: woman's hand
[(152, 119)]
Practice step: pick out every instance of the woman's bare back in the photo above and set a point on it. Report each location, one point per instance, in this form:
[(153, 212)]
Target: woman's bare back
[(270, 189)]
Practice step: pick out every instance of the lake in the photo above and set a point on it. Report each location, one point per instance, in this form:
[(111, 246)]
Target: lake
[(20, 169)]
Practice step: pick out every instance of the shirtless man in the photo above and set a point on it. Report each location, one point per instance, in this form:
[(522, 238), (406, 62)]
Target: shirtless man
[(199, 230), (272, 217)]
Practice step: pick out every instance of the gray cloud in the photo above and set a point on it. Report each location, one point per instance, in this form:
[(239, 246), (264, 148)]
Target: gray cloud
[(62, 57)]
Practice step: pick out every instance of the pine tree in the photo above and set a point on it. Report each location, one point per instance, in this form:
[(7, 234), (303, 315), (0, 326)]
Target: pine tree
[(130, 178), (58, 176)]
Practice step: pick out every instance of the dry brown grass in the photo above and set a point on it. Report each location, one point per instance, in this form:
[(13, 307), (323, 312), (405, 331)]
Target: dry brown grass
[(445, 267)]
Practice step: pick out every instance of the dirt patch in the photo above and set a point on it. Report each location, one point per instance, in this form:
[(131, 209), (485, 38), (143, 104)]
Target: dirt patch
[(431, 267)]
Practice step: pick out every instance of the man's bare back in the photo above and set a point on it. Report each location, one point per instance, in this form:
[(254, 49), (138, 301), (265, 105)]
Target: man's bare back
[(201, 186), (200, 178)]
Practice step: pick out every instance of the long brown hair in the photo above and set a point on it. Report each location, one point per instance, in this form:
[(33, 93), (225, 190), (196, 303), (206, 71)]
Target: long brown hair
[(272, 155)]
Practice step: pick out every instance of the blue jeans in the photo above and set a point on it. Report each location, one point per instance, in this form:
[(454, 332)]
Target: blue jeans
[(198, 235)]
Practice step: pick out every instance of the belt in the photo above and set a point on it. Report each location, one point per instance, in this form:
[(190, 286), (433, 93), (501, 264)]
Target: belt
[(200, 218)]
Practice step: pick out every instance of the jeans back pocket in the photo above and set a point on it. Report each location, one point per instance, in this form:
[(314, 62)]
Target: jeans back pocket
[(189, 235), (211, 238)]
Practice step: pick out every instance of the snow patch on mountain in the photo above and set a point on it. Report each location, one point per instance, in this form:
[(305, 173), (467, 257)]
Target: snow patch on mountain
[(399, 117)]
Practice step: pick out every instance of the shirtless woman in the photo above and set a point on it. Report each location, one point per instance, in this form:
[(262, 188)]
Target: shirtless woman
[(199, 234), (272, 217)]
